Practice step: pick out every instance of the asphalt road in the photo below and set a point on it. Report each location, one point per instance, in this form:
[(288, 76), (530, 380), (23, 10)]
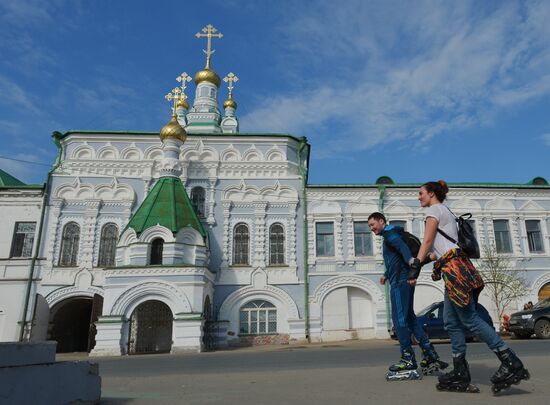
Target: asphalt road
[(332, 373)]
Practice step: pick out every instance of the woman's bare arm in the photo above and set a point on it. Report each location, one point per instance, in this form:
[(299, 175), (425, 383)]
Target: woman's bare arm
[(429, 236)]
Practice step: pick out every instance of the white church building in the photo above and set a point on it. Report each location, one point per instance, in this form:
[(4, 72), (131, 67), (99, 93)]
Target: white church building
[(201, 236)]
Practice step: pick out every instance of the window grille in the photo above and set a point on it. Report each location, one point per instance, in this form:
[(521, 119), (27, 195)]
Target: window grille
[(362, 237), (198, 201), (240, 245), (325, 238), (107, 245), (258, 317), (276, 244), (69, 245), (156, 251), (534, 236), (23, 239)]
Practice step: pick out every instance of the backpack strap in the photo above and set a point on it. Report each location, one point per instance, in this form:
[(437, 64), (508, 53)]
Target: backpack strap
[(447, 236)]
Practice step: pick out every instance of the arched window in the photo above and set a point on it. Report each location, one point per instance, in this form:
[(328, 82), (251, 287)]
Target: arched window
[(240, 245), (258, 317), (197, 199), (276, 244), (69, 244), (156, 251), (107, 245)]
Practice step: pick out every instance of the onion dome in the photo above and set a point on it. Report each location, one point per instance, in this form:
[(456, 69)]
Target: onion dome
[(230, 103), (173, 130), (182, 103), (207, 75)]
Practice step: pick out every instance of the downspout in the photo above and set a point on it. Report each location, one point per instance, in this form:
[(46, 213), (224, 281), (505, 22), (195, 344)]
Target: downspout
[(56, 138), (303, 173), (382, 190)]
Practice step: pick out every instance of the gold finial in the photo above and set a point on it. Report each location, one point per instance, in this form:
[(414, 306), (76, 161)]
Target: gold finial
[(175, 95), (209, 32), (231, 78)]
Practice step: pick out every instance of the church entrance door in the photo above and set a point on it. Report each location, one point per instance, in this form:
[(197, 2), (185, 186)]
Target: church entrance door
[(151, 328), (70, 324)]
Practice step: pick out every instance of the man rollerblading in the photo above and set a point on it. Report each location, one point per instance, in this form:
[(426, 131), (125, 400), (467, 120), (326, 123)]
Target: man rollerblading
[(431, 363), (398, 259), (458, 379), (511, 371), (404, 369)]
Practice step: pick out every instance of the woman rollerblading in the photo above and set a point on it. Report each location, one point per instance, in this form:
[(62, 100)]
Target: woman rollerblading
[(511, 371), (404, 369), (463, 284)]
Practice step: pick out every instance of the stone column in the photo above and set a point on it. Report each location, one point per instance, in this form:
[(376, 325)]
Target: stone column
[(292, 232), (226, 233), (259, 237), (88, 233), (515, 235), (55, 213), (351, 246), (210, 220), (338, 248)]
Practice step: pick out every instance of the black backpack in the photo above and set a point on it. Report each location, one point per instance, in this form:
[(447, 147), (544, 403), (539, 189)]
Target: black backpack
[(412, 242), (467, 241)]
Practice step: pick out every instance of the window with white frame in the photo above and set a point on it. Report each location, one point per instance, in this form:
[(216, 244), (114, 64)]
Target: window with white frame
[(534, 236), (324, 232), (241, 239), (502, 236), (258, 317), (276, 244), (107, 245), (198, 201), (69, 245), (362, 238), (23, 239)]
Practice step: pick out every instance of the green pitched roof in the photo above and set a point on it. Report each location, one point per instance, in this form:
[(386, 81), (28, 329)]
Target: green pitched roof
[(7, 180), (167, 204)]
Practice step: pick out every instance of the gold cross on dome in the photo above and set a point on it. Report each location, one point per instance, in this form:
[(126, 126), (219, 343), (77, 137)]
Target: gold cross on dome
[(231, 79), (184, 78), (209, 33), (175, 95)]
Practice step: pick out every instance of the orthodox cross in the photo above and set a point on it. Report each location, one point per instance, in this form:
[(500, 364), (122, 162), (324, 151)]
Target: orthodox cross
[(231, 79), (183, 79), (209, 32), (174, 95)]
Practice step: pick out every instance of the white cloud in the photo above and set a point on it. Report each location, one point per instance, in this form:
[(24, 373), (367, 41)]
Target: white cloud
[(385, 72), (546, 138)]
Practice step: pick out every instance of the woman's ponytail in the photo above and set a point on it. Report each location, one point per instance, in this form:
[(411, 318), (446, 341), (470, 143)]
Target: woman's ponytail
[(439, 188)]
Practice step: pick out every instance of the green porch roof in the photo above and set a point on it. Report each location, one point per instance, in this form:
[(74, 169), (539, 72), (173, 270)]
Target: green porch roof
[(7, 180), (167, 204)]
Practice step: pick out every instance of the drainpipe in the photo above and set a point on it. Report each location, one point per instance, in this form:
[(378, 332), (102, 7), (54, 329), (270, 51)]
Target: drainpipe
[(57, 140), (303, 173), (382, 190)]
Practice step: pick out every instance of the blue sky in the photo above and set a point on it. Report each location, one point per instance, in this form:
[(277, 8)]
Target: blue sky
[(378, 87)]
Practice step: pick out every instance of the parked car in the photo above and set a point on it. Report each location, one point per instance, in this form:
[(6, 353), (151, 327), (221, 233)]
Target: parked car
[(535, 320), (431, 319)]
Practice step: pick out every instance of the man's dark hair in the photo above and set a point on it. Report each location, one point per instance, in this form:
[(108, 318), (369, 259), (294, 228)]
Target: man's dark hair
[(377, 216)]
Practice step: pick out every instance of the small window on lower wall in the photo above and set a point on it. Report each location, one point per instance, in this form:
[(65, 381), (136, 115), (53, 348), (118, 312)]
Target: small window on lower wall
[(257, 318)]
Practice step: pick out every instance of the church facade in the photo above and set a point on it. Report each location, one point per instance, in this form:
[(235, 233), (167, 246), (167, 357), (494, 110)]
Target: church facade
[(202, 237)]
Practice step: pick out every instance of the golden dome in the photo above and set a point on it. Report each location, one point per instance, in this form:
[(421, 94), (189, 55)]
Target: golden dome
[(182, 103), (230, 103), (207, 75), (173, 130)]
